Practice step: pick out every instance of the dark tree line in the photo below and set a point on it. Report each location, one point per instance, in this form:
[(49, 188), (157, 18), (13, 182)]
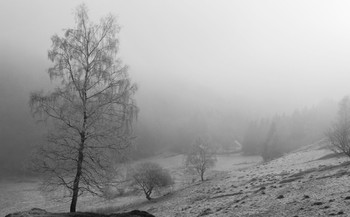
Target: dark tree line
[(271, 138)]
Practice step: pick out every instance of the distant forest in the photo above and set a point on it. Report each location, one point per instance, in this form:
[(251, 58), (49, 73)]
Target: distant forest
[(272, 137), (269, 137)]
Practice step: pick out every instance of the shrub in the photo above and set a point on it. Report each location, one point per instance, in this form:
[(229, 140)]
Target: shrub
[(148, 177)]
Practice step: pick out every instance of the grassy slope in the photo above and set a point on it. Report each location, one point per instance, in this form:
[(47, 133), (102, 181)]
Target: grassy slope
[(310, 184), (18, 194), (302, 183)]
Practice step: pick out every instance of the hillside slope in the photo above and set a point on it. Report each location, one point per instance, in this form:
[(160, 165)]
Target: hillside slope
[(308, 182), (311, 181)]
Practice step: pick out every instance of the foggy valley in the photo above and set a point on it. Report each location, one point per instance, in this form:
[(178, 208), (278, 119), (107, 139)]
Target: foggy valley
[(174, 108)]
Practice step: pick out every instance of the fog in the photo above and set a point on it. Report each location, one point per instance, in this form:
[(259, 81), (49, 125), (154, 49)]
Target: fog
[(228, 61)]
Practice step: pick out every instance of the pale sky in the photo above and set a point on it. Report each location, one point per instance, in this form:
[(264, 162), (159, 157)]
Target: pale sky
[(273, 55), (288, 54)]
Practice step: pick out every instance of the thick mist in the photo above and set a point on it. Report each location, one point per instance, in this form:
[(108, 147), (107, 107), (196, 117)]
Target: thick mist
[(202, 67)]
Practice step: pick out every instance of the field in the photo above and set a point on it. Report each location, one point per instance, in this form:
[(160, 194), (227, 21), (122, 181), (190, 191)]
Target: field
[(23, 194), (308, 182)]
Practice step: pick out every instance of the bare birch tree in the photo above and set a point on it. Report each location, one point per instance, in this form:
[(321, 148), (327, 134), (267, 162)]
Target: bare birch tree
[(89, 113)]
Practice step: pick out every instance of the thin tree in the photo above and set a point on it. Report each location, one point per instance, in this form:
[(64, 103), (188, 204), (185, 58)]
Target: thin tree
[(339, 134), (90, 112), (200, 158)]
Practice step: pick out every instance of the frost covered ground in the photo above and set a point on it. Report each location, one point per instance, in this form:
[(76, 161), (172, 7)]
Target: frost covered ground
[(308, 182), (23, 194)]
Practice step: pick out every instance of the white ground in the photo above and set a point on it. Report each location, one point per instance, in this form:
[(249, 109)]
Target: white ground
[(237, 186), (18, 195)]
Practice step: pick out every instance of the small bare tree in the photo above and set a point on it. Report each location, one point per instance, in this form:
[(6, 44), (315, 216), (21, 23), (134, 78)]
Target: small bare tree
[(200, 157), (339, 134), (148, 177), (89, 113)]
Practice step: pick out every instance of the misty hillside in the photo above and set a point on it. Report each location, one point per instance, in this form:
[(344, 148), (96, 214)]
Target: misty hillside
[(308, 182)]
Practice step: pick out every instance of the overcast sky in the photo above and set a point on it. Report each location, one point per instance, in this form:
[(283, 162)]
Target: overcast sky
[(276, 55), (287, 54)]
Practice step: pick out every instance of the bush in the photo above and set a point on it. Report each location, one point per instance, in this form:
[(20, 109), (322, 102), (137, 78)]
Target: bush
[(148, 177)]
